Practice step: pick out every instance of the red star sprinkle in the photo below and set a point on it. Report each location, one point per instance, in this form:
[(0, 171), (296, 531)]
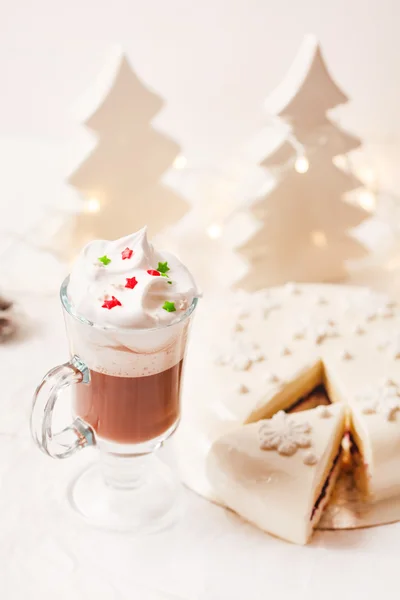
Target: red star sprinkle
[(131, 282), (111, 303), (153, 272), (127, 253)]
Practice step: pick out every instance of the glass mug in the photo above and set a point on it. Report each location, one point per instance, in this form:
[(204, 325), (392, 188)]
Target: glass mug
[(126, 386)]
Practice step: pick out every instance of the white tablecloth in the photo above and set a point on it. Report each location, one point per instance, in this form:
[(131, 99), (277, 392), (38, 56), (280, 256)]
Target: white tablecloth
[(47, 552)]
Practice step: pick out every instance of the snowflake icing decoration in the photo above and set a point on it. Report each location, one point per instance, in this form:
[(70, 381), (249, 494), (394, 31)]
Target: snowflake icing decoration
[(317, 330), (384, 400), (243, 356), (259, 304), (369, 305), (283, 434)]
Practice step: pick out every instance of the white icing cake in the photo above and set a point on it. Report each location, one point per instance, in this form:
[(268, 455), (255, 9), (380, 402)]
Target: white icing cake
[(253, 355)]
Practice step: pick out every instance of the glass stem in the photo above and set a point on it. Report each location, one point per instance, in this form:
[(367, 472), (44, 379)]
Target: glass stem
[(124, 471)]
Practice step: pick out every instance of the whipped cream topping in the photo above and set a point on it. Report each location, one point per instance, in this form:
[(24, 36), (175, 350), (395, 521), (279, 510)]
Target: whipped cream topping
[(127, 283)]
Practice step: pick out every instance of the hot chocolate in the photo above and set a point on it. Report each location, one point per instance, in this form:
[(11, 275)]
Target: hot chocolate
[(127, 310), (130, 410)]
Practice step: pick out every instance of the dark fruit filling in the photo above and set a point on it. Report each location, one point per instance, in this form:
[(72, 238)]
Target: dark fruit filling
[(353, 446), (317, 397), (325, 486)]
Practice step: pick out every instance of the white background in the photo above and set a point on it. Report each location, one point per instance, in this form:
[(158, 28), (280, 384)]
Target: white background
[(213, 61)]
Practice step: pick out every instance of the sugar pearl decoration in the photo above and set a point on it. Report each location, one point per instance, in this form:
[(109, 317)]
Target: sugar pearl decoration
[(319, 330), (371, 316), (271, 378), (383, 344), (323, 412), (386, 313), (359, 330), (285, 351), (299, 334), (310, 458), (241, 363), (242, 389), (368, 409), (257, 355)]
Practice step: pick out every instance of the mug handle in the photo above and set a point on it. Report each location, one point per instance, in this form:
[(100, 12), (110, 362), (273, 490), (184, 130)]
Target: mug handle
[(74, 437)]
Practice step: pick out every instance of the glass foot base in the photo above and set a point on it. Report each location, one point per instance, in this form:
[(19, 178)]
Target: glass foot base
[(148, 502)]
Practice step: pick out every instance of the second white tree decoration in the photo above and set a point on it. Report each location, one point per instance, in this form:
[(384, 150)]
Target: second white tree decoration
[(305, 220), (120, 181)]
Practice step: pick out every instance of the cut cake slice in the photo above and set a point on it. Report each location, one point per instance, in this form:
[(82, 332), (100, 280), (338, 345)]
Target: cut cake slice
[(279, 473)]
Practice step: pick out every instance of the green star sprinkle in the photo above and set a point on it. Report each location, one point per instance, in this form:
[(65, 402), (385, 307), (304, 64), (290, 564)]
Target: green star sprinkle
[(105, 260), (163, 268), (169, 306)]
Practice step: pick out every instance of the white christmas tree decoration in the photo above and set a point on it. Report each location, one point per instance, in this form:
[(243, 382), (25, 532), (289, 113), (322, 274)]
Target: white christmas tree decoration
[(120, 181), (304, 221)]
